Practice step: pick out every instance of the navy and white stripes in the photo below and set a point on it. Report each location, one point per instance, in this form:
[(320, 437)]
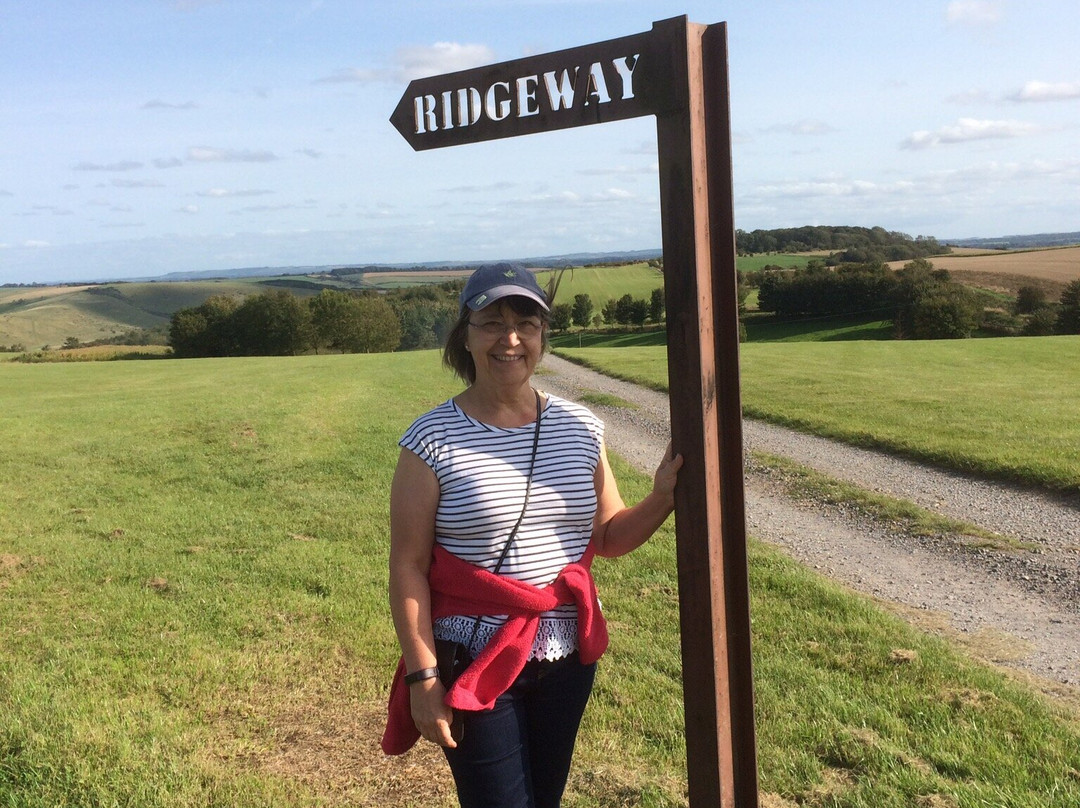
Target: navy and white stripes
[(482, 472)]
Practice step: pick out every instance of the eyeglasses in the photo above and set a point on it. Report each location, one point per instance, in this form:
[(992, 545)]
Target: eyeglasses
[(526, 329)]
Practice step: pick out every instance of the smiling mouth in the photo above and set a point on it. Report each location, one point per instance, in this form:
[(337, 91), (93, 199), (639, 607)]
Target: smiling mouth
[(514, 358)]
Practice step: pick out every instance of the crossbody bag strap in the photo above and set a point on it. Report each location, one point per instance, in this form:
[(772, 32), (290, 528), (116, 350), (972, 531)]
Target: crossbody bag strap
[(524, 507), (528, 489)]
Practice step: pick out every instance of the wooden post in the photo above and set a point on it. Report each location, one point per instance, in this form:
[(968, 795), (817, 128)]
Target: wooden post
[(706, 421)]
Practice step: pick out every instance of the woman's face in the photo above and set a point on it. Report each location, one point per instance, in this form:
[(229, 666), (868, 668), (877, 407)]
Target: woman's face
[(505, 346)]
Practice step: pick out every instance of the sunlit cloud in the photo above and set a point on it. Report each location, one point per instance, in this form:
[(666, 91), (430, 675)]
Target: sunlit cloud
[(803, 127), (969, 97), (117, 183), (159, 104), (224, 193), (1045, 91), (123, 165), (415, 62), (973, 12), (353, 75), (966, 130), (480, 189), (206, 154), (442, 57)]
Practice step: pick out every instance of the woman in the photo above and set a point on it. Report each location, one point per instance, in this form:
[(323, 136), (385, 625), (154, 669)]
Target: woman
[(501, 498)]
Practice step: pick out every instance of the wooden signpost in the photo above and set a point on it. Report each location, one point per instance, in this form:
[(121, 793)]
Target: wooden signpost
[(677, 72)]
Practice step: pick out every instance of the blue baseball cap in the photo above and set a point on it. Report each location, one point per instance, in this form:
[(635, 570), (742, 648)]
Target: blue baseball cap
[(495, 281)]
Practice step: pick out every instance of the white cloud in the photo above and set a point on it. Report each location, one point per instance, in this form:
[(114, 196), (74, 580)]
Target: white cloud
[(168, 162), (973, 12), (123, 165), (968, 129), (188, 209), (969, 97), (442, 57), (353, 75), (34, 244), (206, 154), (158, 104), (1045, 91), (803, 127), (619, 171), (501, 185), (117, 183), (416, 62), (224, 193)]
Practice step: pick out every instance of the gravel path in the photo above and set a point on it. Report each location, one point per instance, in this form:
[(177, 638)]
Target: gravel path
[(1019, 607)]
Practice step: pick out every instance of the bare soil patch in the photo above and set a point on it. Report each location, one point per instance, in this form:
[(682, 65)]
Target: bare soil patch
[(1059, 265)]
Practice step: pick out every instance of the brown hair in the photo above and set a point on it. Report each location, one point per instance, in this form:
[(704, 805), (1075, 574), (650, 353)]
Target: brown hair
[(458, 359)]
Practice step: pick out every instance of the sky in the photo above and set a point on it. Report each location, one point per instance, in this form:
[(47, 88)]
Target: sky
[(142, 137)]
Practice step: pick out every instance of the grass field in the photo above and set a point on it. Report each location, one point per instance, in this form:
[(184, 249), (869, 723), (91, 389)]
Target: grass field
[(1001, 407), (192, 589), (604, 283), (36, 317)]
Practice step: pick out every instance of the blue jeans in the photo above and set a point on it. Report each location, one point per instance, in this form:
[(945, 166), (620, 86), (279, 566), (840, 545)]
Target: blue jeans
[(517, 754)]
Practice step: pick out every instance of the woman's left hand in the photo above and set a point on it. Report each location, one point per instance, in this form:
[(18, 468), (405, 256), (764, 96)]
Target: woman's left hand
[(666, 475)]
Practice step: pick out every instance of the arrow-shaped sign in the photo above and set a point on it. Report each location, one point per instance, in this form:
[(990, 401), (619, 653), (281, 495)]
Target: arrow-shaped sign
[(606, 81)]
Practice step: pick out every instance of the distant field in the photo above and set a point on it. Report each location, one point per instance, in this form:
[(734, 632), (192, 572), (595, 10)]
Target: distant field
[(1058, 266), (604, 283), (38, 316), (755, 263)]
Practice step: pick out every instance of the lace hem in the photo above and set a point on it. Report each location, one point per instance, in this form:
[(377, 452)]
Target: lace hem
[(557, 637)]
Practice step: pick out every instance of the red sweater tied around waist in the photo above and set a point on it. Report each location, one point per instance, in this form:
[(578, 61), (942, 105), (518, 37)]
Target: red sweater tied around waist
[(458, 587)]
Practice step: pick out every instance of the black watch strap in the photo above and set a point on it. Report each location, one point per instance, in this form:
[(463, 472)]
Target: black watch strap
[(421, 675)]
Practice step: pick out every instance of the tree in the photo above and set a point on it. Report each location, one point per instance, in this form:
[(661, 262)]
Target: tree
[(656, 305), (334, 318), (379, 330), (1041, 323), (272, 324), (1068, 320), (583, 310), (623, 309), (639, 312), (205, 330), (1029, 298), (608, 312), (561, 316), (354, 324), (951, 312)]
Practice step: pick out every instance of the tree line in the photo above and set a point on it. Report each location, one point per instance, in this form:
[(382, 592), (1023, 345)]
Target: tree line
[(922, 302), (846, 244), (278, 322)]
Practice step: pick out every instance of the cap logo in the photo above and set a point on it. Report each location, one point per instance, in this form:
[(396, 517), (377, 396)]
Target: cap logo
[(509, 274), (480, 300)]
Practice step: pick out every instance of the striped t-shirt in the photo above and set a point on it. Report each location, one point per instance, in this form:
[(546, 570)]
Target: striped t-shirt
[(482, 473)]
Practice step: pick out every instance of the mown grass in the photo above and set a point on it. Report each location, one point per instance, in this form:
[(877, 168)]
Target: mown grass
[(998, 407), (604, 283), (192, 595)]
